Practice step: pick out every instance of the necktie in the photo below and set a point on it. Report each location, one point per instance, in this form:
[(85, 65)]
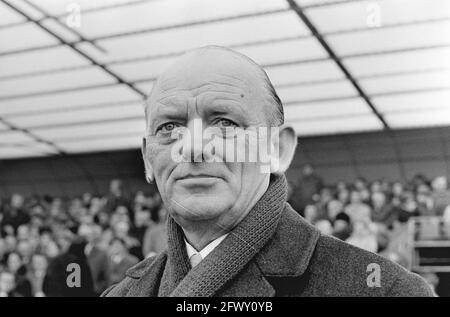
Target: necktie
[(195, 259)]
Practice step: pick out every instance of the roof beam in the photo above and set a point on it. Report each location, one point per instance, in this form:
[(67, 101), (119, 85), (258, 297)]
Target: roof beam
[(299, 11)]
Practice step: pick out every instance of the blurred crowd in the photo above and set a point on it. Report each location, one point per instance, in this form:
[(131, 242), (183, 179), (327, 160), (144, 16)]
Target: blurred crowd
[(367, 214), (371, 215), (41, 236), (106, 235)]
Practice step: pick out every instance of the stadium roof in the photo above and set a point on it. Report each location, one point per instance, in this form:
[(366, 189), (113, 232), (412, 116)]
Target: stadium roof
[(338, 66)]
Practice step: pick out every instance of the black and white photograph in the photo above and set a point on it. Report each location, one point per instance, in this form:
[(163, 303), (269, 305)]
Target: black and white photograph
[(240, 149)]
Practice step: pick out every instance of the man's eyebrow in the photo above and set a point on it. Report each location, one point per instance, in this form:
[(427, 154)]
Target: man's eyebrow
[(225, 106), (169, 111)]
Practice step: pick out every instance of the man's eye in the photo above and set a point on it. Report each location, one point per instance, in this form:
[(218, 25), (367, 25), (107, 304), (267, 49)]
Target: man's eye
[(167, 127), (225, 123)]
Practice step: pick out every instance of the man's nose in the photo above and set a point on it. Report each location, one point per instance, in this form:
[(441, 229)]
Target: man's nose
[(193, 142)]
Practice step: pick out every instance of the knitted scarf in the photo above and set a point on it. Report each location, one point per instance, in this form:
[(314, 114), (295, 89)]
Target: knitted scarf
[(230, 256)]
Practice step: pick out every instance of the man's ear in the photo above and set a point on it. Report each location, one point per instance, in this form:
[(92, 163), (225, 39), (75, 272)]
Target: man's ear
[(148, 167), (283, 150)]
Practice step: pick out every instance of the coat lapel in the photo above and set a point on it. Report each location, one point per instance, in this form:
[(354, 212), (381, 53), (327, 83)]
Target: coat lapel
[(147, 275), (248, 283), (285, 259)]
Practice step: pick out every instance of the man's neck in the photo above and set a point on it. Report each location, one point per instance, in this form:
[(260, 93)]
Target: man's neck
[(200, 239)]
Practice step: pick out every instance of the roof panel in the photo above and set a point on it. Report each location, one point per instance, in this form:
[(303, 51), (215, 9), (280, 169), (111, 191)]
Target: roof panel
[(79, 115), (407, 102), (92, 130), (13, 137), (285, 51), (65, 6), (349, 124), (23, 36), (55, 81), (42, 60), (169, 12), (326, 109), (144, 69), (107, 144), (66, 100), (317, 2), (406, 82), (227, 33), (336, 89), (363, 14), (3, 127), (25, 150), (9, 16), (436, 58), (419, 119), (402, 37), (304, 73)]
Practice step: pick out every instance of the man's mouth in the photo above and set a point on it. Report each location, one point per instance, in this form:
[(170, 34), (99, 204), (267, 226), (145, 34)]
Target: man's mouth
[(198, 179), (197, 176)]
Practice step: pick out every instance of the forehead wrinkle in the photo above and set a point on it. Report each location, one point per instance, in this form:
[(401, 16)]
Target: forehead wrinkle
[(170, 98), (226, 105)]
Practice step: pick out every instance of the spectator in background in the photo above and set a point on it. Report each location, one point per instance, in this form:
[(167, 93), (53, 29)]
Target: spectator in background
[(357, 210), (334, 208), (121, 230), (376, 187), (15, 215), (408, 207), (38, 269), (7, 284), (16, 266), (121, 214), (311, 213), (441, 195), (55, 282), (155, 238), (341, 226), (305, 188), (360, 186), (97, 258), (322, 203), (142, 222), (382, 211), (121, 260), (397, 193), (363, 236), (424, 199), (343, 196), (116, 197)]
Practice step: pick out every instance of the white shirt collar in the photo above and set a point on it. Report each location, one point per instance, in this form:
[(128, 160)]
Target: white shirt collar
[(206, 250)]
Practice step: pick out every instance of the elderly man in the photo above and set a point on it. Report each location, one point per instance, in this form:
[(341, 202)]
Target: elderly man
[(230, 230)]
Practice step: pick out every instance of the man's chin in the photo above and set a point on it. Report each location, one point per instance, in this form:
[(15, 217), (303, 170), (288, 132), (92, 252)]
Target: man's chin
[(200, 207)]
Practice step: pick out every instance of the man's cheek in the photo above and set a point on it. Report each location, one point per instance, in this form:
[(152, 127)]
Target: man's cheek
[(160, 159), (154, 152)]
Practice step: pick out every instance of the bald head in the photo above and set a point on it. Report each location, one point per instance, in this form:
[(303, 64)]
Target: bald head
[(212, 64)]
